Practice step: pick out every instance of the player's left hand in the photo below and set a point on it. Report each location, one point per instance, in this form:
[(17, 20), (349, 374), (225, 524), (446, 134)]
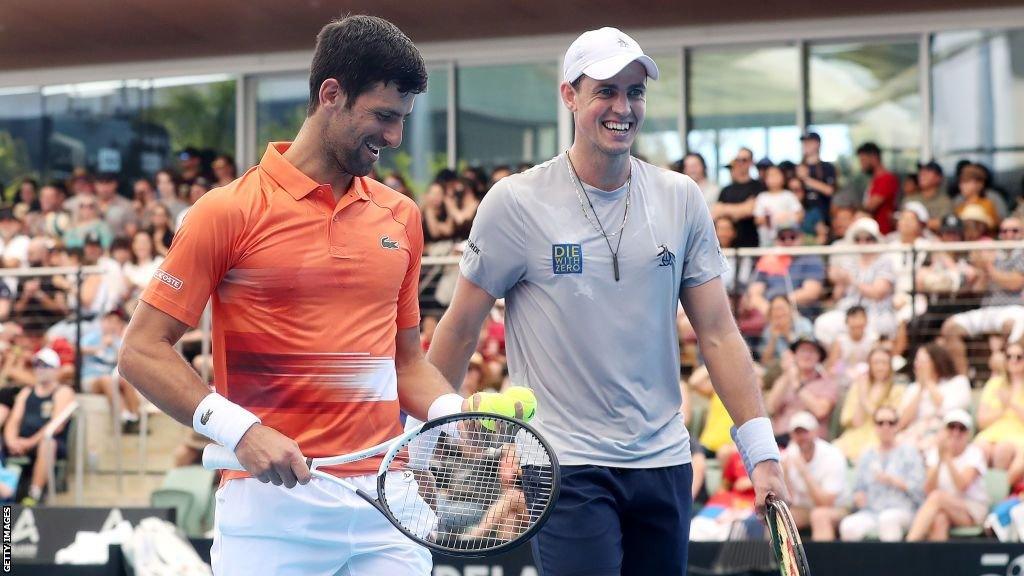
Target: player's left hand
[(767, 478)]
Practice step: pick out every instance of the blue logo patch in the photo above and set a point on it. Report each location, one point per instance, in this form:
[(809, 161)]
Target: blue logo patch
[(567, 258)]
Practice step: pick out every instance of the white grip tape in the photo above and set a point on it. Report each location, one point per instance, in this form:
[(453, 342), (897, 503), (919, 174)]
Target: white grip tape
[(216, 457)]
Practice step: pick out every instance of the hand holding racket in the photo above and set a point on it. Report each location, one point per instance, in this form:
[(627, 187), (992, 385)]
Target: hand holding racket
[(486, 483), (789, 551)]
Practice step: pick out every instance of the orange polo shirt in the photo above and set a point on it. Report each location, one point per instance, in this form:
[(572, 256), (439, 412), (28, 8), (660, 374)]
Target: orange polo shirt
[(308, 296)]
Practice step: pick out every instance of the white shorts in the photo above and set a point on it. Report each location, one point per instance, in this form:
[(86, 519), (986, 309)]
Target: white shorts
[(991, 320), (317, 529)]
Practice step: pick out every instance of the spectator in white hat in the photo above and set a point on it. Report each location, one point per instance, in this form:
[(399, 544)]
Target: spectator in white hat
[(34, 409), (816, 475), (869, 283), (954, 484)]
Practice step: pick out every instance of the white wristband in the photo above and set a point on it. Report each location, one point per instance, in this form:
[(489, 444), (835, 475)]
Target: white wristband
[(445, 405), (222, 421), (755, 441)]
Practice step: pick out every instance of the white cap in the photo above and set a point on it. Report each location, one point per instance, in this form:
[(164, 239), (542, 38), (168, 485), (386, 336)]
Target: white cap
[(863, 225), (959, 416), (804, 420), (918, 209), (602, 54), (49, 357)]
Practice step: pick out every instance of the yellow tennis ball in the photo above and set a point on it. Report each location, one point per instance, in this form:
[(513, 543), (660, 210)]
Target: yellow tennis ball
[(526, 397), (492, 403)]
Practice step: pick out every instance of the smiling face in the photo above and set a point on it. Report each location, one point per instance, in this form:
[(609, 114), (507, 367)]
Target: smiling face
[(353, 133), (609, 113)]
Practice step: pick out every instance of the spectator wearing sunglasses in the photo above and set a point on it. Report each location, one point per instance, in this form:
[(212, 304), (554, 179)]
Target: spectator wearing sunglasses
[(954, 482), (737, 200), (1001, 276), (888, 485), (1001, 412)]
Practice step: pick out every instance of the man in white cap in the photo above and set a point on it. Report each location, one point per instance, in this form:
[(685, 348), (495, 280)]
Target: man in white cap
[(816, 476), (593, 251)]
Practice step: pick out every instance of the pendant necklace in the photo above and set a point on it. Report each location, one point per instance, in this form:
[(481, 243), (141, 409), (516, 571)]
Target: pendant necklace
[(598, 227)]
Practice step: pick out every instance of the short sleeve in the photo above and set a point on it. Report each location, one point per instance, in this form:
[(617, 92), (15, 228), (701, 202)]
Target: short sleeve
[(794, 203), (760, 206), (495, 254), (702, 256), (408, 296), (203, 250)]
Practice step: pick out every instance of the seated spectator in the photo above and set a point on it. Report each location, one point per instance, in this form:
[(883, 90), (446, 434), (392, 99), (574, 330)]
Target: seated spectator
[(27, 199), (936, 391), (954, 485), (1001, 412), (87, 222), (100, 345), (25, 430), (776, 206), (815, 473), (224, 170), (143, 264), (785, 326), (932, 195), (888, 486), (160, 228), (168, 186), (850, 350), (801, 278), (13, 243), (1001, 275), (803, 386), (40, 304), (51, 219), (977, 224), (437, 226), (116, 210), (870, 283), (870, 391), (972, 182)]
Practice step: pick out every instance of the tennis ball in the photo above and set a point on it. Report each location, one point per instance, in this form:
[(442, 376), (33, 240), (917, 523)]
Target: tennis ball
[(524, 395), (492, 403)]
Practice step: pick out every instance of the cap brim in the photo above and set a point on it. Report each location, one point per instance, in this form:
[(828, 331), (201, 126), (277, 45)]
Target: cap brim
[(605, 69)]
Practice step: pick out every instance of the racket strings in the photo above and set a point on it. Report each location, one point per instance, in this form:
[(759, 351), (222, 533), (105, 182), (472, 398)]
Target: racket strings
[(476, 488)]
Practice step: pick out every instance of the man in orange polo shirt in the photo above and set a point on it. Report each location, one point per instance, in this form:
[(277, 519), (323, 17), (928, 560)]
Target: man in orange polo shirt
[(313, 270)]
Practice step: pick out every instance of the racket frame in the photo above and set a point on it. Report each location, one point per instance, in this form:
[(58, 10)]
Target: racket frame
[(774, 509)]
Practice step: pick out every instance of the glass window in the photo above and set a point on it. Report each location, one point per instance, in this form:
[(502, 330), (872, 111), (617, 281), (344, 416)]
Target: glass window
[(860, 92), (659, 140), (22, 131), (978, 97), (135, 127), (281, 102), (743, 97), (508, 114)]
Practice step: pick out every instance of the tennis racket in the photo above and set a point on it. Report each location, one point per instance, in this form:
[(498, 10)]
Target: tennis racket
[(483, 483), (789, 551)]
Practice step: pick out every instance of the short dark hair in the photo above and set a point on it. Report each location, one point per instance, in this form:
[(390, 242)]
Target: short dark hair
[(856, 309), (58, 185), (360, 51), (869, 148)]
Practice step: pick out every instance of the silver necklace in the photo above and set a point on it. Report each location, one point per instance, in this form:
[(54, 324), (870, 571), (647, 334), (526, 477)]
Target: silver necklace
[(598, 227)]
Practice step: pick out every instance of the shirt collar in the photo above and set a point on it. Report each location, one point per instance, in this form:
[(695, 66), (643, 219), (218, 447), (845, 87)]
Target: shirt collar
[(292, 179)]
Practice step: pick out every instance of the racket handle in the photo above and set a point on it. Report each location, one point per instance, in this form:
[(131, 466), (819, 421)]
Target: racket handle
[(217, 457)]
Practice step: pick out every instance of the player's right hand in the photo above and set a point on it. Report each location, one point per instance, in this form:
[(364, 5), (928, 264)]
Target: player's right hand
[(272, 457)]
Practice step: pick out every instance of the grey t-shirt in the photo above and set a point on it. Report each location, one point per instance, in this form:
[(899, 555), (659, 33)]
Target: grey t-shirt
[(602, 356)]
